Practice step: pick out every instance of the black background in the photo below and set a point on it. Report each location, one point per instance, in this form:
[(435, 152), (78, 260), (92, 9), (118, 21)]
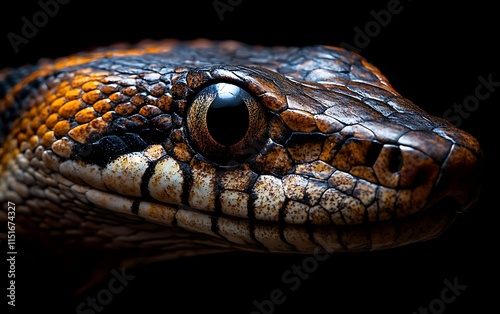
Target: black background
[(432, 54)]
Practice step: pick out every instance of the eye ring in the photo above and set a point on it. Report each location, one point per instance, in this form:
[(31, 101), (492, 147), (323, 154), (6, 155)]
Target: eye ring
[(226, 124)]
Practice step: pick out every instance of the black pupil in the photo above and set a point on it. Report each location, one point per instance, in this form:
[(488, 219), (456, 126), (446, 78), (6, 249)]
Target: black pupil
[(227, 116)]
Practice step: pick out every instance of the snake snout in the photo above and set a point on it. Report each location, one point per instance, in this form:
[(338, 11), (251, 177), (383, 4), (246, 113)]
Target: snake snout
[(449, 160), (414, 169), (459, 179)]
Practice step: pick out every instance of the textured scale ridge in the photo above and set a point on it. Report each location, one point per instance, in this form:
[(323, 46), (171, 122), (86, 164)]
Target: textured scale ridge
[(110, 148)]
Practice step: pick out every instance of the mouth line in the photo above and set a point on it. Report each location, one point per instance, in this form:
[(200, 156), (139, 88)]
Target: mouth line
[(278, 236)]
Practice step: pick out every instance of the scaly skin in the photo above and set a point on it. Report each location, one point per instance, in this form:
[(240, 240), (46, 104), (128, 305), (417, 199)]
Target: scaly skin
[(111, 149)]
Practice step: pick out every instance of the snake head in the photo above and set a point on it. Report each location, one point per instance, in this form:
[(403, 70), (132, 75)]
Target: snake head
[(267, 149)]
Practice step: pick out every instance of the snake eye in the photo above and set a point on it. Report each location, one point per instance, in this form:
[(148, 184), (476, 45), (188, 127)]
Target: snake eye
[(226, 124)]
